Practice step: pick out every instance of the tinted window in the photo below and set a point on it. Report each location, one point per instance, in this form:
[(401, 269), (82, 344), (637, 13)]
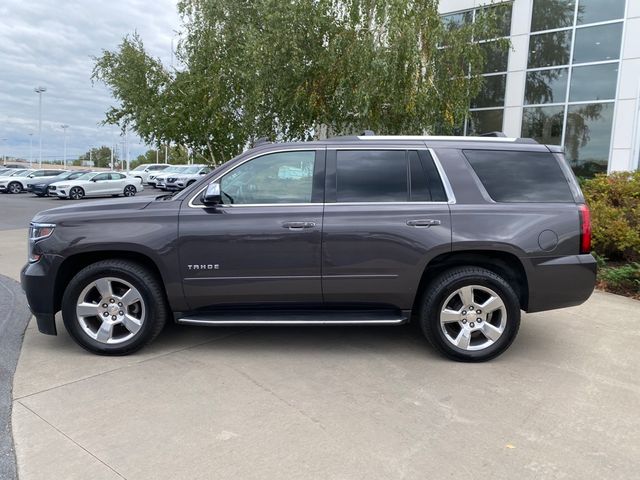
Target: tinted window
[(597, 43), (550, 14), (102, 176), (592, 11), (419, 184), (372, 176), (546, 86), (549, 49), (543, 124), (285, 177), (594, 82), (484, 121), (520, 176)]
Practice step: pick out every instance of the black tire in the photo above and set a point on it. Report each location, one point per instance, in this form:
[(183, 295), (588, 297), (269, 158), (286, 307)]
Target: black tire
[(76, 193), (152, 293), (442, 287), (14, 187), (130, 191)]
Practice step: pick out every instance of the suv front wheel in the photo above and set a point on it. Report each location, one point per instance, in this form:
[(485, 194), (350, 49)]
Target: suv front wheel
[(114, 307), (470, 314)]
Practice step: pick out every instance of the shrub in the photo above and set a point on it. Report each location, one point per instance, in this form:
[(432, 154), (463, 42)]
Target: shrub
[(614, 201), (624, 279)]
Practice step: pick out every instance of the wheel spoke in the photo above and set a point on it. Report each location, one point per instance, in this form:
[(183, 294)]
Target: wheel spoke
[(104, 332), (463, 339), (449, 316), (87, 310), (491, 332), (492, 304), (104, 287), (466, 295), (132, 296), (132, 324)]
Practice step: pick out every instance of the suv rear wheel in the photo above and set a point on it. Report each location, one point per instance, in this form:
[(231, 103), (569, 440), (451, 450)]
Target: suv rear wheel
[(114, 307), (470, 314)]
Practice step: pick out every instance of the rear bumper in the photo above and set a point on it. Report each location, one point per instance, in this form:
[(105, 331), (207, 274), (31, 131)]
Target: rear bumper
[(38, 280), (560, 282)]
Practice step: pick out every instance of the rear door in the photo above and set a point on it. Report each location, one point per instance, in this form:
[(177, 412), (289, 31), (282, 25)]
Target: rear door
[(386, 215)]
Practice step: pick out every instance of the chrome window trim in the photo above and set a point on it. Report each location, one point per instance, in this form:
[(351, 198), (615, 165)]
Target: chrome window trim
[(451, 199)]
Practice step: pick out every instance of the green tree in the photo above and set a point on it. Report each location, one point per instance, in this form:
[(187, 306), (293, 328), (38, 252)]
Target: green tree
[(297, 70), (100, 156)]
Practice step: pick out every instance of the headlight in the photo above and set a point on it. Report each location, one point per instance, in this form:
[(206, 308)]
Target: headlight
[(62, 186), (37, 232)]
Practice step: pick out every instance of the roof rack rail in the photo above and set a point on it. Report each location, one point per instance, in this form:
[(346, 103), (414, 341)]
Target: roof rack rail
[(492, 134)]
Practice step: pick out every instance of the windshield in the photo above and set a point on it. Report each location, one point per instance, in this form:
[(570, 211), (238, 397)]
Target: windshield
[(175, 169), (139, 168), (20, 173)]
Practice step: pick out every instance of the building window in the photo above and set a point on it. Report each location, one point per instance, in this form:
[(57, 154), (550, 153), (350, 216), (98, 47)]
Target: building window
[(588, 137), (594, 82), (544, 124), (546, 86), (552, 14), (487, 108), (572, 78), (593, 11), (549, 49), (484, 121)]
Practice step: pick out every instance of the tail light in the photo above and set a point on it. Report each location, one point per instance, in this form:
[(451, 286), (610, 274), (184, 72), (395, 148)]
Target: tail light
[(585, 229)]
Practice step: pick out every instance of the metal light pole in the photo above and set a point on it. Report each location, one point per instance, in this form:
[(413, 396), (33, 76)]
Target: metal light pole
[(40, 91), (126, 143), (64, 128), (4, 157), (31, 150)]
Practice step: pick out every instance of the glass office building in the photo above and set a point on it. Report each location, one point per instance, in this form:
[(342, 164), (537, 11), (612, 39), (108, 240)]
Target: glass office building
[(571, 78)]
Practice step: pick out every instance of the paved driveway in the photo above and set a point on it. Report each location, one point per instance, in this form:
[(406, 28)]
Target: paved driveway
[(343, 403)]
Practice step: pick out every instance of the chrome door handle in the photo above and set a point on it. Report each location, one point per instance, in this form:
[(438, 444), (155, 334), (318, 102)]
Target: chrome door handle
[(298, 225), (423, 223)]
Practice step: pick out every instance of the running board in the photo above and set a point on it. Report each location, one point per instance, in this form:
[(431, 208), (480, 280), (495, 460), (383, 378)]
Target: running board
[(295, 318)]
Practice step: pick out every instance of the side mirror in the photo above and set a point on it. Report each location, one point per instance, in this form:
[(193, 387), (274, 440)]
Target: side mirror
[(31, 176), (203, 173), (212, 195)]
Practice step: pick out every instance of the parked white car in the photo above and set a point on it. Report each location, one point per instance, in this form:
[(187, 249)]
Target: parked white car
[(39, 175), (147, 169), (186, 177), (161, 178), (11, 182), (97, 184)]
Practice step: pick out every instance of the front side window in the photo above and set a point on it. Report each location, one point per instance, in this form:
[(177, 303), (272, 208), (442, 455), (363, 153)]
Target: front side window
[(101, 176), (283, 177)]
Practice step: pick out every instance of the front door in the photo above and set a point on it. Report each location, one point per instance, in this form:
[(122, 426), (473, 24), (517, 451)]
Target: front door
[(386, 216), (262, 246)]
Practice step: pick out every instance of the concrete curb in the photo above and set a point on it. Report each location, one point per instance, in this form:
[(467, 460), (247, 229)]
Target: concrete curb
[(12, 327)]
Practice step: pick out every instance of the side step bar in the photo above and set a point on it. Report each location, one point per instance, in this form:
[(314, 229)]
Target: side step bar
[(295, 318)]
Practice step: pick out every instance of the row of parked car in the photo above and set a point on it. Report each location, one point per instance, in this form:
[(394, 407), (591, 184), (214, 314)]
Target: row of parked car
[(77, 184)]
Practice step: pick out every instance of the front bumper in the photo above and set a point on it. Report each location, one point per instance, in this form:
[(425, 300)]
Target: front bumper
[(3, 188), (38, 280), (561, 282)]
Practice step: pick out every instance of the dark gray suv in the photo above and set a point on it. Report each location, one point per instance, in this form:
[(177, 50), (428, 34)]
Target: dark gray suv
[(458, 234)]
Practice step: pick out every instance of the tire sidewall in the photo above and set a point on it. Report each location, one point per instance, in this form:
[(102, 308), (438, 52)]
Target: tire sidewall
[(72, 294), (431, 316)]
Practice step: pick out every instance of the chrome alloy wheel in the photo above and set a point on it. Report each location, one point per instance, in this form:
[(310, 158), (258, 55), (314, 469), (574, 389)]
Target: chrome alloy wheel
[(15, 187), (110, 310), (129, 191), (473, 317)]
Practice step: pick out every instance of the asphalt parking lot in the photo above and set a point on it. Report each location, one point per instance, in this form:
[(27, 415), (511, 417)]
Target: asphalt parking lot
[(327, 403)]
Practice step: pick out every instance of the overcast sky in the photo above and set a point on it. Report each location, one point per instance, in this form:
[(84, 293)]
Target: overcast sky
[(50, 43)]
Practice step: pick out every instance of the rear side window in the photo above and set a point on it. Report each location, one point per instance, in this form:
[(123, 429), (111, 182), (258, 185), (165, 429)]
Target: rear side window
[(513, 177), (372, 176), (387, 176)]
